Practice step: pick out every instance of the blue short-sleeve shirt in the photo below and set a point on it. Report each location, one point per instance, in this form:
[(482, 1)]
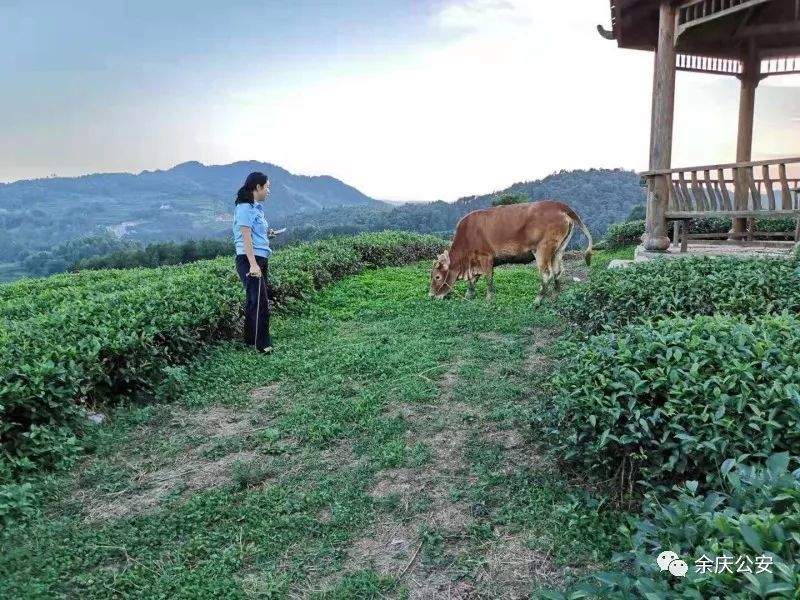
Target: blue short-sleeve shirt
[(252, 216)]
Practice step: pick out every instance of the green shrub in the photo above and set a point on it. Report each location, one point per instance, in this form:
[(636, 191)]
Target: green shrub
[(623, 234), (654, 403), (389, 248), (708, 225), (783, 225), (756, 514), (172, 383), (685, 287), (17, 500), (103, 336)]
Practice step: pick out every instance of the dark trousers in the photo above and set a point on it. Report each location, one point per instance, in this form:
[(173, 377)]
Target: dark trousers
[(256, 306)]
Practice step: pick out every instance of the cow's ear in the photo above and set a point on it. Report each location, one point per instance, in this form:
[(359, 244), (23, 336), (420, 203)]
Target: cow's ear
[(445, 258)]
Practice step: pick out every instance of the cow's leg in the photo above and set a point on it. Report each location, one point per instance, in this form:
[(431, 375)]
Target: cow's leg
[(488, 268), (547, 278), (471, 287), (558, 267), (544, 261), (558, 258)]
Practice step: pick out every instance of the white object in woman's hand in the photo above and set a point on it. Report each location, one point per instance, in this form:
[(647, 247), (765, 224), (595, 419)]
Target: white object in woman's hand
[(255, 271)]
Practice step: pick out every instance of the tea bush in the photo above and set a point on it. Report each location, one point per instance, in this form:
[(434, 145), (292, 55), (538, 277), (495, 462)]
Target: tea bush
[(686, 287), (105, 336), (755, 514), (654, 403), (619, 235)]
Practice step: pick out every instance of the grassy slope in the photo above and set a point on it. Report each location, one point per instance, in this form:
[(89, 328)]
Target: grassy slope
[(382, 451)]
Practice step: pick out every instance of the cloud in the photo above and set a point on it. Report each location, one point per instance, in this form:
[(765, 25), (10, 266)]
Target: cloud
[(790, 81), (472, 15)]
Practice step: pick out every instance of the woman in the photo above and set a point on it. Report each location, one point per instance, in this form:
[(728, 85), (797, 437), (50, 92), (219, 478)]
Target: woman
[(251, 237)]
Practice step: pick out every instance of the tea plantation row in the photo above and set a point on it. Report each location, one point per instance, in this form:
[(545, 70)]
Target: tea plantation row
[(684, 390), (99, 337)]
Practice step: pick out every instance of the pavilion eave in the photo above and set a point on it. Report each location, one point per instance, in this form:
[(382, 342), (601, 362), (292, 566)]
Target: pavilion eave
[(713, 28)]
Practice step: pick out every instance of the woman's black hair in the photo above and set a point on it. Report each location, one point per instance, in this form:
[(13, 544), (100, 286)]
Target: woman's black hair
[(245, 193)]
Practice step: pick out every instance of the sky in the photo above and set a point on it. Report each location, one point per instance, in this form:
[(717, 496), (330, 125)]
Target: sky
[(403, 99)]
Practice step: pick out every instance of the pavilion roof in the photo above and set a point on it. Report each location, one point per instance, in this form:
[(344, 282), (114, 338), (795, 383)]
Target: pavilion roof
[(712, 28)]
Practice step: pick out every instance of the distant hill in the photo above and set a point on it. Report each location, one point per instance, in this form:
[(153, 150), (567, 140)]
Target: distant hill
[(189, 201)]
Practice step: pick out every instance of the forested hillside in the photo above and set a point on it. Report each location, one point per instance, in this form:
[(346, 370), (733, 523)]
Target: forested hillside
[(189, 201), (601, 196)]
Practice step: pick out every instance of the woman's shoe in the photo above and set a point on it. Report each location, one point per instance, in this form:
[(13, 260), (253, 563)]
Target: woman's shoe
[(267, 350)]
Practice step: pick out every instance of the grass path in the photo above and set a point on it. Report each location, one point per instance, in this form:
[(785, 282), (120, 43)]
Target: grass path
[(383, 451)]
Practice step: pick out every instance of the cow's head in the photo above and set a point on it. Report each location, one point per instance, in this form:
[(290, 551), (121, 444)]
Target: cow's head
[(442, 277)]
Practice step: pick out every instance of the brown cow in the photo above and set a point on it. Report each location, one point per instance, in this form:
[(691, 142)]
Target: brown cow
[(502, 234)]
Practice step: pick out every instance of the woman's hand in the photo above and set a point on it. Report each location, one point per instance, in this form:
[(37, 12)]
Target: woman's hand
[(255, 270)]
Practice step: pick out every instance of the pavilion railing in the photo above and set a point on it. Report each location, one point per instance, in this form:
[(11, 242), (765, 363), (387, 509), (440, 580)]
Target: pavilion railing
[(768, 188)]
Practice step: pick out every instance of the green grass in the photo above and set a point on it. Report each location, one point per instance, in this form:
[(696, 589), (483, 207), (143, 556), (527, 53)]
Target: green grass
[(376, 383)]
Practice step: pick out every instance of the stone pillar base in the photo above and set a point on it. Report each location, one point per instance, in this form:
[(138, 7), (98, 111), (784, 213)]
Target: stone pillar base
[(656, 244)]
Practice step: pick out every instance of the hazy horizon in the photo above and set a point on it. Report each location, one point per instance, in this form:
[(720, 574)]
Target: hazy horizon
[(404, 100)]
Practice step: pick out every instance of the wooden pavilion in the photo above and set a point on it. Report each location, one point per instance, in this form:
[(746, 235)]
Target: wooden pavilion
[(747, 39)]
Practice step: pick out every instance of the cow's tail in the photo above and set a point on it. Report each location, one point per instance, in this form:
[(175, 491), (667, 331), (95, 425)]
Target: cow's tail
[(579, 222)]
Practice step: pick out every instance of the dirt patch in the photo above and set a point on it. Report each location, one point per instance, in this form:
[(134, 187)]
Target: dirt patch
[(535, 361), (339, 454), (188, 466), (507, 439), (265, 393), (152, 489), (511, 569), (575, 267), (446, 385), (394, 548), (215, 422), (393, 545), (518, 452), (429, 499), (446, 469), (494, 337), (441, 589), (387, 550)]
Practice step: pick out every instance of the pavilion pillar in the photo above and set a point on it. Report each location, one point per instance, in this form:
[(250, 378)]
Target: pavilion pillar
[(751, 74), (655, 234)]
